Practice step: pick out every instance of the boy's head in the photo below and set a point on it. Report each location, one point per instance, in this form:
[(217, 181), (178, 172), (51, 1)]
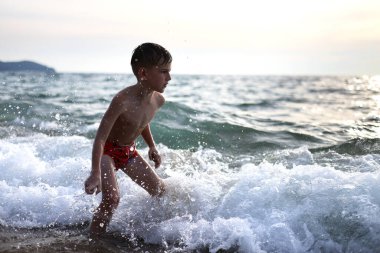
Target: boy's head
[(148, 55)]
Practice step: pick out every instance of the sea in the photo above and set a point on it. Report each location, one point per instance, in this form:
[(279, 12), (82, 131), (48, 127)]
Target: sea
[(251, 164)]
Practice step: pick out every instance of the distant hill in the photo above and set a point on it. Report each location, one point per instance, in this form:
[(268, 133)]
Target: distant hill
[(25, 66)]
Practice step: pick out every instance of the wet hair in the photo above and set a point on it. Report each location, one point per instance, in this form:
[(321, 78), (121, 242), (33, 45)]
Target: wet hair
[(149, 55)]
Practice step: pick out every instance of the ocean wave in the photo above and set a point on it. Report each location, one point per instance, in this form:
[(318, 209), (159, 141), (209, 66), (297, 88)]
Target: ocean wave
[(263, 207), (266, 206), (180, 126), (252, 164), (357, 146)]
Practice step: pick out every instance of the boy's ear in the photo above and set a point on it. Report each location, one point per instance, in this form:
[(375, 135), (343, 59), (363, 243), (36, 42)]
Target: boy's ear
[(142, 73)]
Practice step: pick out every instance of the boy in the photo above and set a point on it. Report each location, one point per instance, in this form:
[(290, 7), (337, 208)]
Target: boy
[(127, 117)]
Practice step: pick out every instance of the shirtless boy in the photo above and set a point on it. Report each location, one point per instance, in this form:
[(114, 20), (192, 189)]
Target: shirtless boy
[(127, 117)]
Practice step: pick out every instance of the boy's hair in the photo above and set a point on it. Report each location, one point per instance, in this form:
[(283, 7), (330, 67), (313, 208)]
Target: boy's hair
[(149, 55)]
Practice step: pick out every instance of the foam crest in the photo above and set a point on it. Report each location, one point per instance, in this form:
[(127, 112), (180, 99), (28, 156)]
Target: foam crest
[(294, 206), (52, 160), (260, 207), (42, 180), (41, 205)]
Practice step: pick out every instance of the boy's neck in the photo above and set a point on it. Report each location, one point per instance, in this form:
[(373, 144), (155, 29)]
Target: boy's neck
[(143, 92)]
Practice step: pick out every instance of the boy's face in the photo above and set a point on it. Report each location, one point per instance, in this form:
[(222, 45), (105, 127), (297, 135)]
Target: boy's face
[(157, 77)]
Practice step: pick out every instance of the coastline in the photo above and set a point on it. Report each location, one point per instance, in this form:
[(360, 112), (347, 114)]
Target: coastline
[(68, 239)]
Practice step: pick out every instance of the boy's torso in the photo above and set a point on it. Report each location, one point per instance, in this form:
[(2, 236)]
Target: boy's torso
[(135, 116)]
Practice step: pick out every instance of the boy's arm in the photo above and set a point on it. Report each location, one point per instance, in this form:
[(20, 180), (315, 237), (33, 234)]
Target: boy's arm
[(153, 153), (148, 138), (93, 182)]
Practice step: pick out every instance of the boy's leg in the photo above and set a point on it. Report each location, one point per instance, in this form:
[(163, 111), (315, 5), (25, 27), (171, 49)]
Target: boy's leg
[(141, 173), (110, 198)]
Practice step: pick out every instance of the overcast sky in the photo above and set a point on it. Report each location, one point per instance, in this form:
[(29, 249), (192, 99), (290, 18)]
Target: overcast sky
[(294, 37)]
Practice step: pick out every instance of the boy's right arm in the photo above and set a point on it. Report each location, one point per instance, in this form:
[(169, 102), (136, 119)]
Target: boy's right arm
[(93, 182)]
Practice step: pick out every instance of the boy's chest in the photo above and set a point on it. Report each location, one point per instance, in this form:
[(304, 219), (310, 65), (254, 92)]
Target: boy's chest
[(137, 118)]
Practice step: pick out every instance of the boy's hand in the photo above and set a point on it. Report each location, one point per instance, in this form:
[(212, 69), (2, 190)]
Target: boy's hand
[(154, 156), (93, 183)]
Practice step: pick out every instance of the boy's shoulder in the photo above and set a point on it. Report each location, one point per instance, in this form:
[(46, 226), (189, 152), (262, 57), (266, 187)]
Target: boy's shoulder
[(126, 92), (127, 95), (120, 98), (159, 99)]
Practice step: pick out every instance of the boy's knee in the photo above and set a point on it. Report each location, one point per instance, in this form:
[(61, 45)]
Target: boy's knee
[(115, 200), (159, 190), (162, 188), (112, 201)]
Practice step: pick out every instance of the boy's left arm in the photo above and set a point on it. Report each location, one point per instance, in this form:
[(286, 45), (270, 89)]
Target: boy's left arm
[(152, 153)]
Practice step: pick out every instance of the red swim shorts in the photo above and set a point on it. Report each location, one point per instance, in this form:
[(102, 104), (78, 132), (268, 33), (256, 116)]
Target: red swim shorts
[(120, 154)]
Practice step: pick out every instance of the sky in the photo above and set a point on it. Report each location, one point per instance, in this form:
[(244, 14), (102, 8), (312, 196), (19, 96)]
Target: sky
[(271, 37)]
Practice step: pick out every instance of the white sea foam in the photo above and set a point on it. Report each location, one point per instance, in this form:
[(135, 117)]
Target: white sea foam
[(41, 180), (266, 207)]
